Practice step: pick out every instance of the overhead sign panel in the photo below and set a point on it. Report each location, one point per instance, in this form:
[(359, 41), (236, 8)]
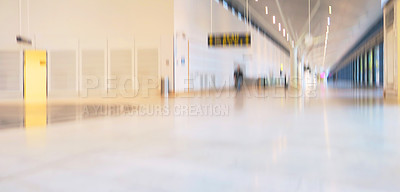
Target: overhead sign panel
[(229, 40)]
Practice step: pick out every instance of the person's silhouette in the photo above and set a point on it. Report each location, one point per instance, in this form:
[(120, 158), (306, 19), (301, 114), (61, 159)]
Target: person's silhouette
[(238, 76)]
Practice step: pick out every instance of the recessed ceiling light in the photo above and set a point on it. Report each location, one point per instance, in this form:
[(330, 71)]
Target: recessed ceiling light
[(330, 10), (329, 21), (273, 19), (266, 10), (280, 27)]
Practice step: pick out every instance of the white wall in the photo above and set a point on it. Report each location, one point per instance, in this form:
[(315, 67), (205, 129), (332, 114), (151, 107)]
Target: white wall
[(193, 18), (110, 25), (79, 25)]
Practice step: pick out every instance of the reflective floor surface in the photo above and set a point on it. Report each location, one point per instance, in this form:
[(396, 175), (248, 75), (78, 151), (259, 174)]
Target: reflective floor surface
[(337, 139)]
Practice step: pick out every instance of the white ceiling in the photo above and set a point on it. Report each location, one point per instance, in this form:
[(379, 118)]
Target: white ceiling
[(350, 20)]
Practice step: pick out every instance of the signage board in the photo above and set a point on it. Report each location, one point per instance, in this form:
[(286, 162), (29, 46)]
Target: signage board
[(229, 40)]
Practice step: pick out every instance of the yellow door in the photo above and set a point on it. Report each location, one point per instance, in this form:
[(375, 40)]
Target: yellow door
[(35, 76), (35, 88)]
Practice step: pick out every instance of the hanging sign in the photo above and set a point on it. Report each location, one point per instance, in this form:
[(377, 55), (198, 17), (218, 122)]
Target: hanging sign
[(229, 40)]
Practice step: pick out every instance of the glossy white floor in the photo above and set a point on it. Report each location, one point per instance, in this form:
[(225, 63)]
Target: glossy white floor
[(341, 140)]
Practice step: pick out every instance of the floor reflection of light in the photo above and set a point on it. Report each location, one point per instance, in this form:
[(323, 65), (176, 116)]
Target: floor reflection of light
[(35, 121), (274, 154), (256, 183), (278, 147), (326, 130)]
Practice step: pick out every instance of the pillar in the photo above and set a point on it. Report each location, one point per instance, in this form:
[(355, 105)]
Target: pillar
[(294, 83), (391, 43)]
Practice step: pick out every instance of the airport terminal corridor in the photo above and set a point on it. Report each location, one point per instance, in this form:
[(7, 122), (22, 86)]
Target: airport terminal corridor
[(199, 95)]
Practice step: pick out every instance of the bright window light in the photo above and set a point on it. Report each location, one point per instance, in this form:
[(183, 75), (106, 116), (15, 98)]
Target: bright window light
[(225, 4)]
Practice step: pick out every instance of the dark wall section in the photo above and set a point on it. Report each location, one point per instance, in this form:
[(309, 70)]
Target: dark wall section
[(363, 64), (364, 70)]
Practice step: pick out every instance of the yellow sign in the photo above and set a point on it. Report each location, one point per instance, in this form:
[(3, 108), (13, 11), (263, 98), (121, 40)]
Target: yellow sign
[(229, 40)]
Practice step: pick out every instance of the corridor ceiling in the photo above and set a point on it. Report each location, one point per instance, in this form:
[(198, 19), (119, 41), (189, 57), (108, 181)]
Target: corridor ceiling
[(349, 21)]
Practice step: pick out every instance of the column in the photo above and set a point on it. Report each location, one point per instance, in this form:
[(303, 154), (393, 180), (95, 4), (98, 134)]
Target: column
[(376, 65), (294, 86), (391, 44), (358, 70)]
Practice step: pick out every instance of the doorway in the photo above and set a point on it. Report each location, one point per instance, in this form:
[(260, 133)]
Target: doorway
[(35, 76), (35, 88)]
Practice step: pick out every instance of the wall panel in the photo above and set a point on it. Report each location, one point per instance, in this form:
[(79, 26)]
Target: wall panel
[(10, 74)]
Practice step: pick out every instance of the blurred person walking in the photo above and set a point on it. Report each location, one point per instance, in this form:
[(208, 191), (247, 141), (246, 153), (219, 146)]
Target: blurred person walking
[(238, 76)]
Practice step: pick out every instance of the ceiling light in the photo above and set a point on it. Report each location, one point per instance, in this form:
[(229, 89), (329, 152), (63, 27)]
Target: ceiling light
[(287, 37), (273, 19), (266, 10), (326, 44), (280, 27), (284, 33), (330, 10), (329, 21)]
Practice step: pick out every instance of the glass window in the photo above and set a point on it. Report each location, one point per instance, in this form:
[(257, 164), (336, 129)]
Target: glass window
[(225, 4)]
